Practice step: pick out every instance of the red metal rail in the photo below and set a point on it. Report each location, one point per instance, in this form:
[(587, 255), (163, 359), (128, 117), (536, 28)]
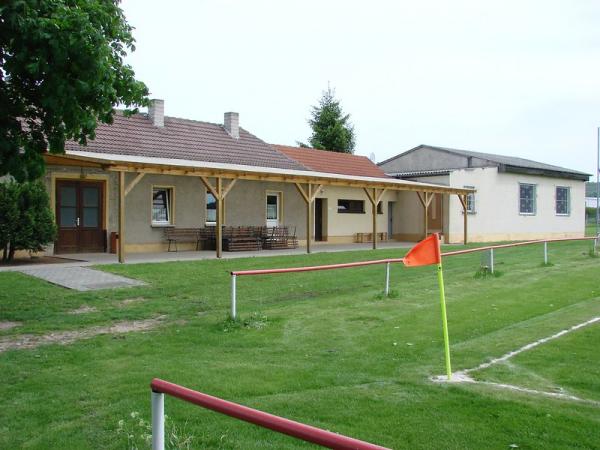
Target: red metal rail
[(513, 244), (396, 260), (313, 268), (262, 419)]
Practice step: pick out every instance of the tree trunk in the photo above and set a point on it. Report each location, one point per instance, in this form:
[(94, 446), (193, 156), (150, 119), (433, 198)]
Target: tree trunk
[(5, 252), (11, 253)]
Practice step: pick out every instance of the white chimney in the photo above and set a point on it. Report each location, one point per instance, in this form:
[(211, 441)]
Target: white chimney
[(156, 112), (232, 124)]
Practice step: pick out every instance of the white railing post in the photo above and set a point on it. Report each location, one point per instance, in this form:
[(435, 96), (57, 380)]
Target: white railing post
[(491, 260), (387, 279), (158, 421), (545, 252), (233, 296)]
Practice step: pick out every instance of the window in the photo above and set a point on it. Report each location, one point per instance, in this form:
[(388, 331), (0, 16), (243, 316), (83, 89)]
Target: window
[(563, 200), (527, 198), (470, 200), (351, 206), (162, 200), (273, 209), (211, 208)]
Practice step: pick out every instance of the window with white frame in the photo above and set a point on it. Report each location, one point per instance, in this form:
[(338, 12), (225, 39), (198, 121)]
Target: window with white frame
[(211, 208), (527, 194), (563, 200), (470, 200), (162, 203)]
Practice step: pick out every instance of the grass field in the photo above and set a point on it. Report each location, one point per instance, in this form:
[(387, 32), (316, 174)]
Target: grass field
[(323, 348)]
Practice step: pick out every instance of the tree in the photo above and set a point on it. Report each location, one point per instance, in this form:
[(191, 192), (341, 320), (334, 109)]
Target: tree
[(331, 128), (26, 221), (61, 72)]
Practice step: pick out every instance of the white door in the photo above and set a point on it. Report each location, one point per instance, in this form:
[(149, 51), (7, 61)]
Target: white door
[(273, 209)]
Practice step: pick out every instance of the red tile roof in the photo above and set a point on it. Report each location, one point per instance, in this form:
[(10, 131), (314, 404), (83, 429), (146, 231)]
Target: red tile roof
[(332, 162), (183, 139)]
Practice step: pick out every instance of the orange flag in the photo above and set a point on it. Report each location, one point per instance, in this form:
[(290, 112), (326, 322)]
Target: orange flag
[(424, 253)]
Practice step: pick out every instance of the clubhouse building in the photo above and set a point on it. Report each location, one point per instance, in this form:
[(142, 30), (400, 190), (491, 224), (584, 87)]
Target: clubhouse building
[(150, 183), (149, 177)]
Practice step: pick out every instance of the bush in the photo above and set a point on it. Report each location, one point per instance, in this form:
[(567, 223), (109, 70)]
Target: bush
[(26, 220)]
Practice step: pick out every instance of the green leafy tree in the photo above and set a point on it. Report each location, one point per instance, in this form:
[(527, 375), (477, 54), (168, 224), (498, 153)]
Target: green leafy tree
[(61, 71), (26, 221), (331, 128)]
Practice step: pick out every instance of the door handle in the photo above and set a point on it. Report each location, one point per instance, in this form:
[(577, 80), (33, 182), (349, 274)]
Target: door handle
[(77, 221)]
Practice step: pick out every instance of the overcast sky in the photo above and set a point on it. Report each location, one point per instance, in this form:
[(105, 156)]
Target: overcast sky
[(512, 77)]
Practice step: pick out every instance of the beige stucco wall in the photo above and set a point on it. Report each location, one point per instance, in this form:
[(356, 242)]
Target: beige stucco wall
[(343, 227), (409, 215), (497, 215), (188, 207), (246, 205)]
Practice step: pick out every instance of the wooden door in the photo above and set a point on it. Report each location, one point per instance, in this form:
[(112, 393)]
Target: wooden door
[(318, 219), (80, 216), (434, 214)]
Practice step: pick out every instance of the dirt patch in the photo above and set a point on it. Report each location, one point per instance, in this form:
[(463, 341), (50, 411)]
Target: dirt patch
[(130, 301), (83, 309), (27, 341), (9, 325)]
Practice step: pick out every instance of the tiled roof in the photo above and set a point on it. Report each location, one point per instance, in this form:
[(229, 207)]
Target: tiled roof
[(183, 139), (332, 162)]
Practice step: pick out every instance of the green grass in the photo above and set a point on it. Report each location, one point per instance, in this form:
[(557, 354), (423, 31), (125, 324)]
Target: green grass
[(325, 348)]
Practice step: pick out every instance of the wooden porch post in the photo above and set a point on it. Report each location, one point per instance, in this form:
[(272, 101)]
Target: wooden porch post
[(219, 193), (426, 208), (374, 197), (425, 202), (219, 224), (308, 218), (463, 202), (121, 217), (374, 218), (309, 198)]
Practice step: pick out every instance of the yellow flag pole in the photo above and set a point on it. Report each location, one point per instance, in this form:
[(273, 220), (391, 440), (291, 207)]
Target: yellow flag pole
[(444, 320)]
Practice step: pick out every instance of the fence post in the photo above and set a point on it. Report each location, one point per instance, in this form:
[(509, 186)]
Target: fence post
[(158, 421), (233, 296), (545, 252), (491, 260), (387, 279)]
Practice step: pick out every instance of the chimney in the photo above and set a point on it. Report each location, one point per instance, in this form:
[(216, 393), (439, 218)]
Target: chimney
[(156, 112), (232, 124)]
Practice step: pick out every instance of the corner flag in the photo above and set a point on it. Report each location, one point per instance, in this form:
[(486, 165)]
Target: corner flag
[(425, 253)]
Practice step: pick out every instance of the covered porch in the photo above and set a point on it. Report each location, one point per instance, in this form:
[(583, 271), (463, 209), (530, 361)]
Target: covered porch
[(303, 190)]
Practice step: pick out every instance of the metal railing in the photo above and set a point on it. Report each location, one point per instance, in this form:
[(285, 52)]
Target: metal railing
[(279, 424), (388, 261)]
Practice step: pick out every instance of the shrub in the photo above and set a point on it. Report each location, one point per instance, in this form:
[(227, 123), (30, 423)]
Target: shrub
[(26, 220)]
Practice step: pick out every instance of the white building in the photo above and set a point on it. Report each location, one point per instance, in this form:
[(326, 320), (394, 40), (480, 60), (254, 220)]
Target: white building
[(515, 198)]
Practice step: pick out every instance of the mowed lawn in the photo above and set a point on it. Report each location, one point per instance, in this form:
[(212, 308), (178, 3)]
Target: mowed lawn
[(324, 348)]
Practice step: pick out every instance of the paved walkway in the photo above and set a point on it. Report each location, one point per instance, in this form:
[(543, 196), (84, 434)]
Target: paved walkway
[(95, 259), (80, 278)]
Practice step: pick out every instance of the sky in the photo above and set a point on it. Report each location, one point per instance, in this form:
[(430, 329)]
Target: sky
[(518, 78)]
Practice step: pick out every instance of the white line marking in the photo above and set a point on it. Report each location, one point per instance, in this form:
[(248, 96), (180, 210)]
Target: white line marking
[(462, 376), (509, 355)]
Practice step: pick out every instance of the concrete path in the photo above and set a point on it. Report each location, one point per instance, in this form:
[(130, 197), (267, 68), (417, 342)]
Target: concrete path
[(80, 278), (96, 259)]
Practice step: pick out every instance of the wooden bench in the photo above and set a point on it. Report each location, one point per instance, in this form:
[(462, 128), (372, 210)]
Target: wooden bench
[(279, 238), (382, 236), (177, 235), (238, 239)]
